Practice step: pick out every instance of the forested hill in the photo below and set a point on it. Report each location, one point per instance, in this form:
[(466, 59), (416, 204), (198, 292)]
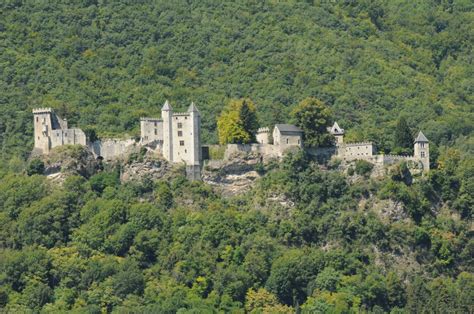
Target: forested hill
[(103, 64)]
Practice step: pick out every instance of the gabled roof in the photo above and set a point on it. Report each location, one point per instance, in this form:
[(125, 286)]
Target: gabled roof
[(421, 138), (335, 129), (288, 128), (192, 108), (166, 106)]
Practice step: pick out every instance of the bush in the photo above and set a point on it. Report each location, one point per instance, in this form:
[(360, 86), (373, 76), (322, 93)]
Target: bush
[(36, 166), (363, 168)]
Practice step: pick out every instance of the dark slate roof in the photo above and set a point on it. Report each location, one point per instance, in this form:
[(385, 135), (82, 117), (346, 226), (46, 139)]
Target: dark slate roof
[(288, 128), (421, 138)]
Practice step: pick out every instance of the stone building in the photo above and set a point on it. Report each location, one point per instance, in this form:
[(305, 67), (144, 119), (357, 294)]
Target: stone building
[(366, 150), (286, 136), (177, 135), (51, 131)]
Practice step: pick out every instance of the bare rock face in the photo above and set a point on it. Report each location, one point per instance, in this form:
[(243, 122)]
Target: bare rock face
[(150, 167), (234, 176), (70, 160)]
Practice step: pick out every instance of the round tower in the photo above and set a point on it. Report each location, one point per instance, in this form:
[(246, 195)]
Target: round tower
[(167, 116)]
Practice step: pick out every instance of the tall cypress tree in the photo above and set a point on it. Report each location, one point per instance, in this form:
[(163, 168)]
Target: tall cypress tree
[(403, 139)]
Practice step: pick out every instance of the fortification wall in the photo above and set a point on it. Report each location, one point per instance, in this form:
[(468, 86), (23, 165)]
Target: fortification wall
[(111, 149), (355, 150), (266, 150), (61, 137)]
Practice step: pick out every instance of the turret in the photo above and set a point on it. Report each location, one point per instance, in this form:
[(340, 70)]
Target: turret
[(167, 116), (195, 157), (422, 150), (43, 124), (263, 136), (338, 133)]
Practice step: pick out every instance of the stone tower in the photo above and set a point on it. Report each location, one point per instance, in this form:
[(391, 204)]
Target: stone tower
[(43, 124), (193, 164), (263, 136), (422, 150), (167, 116)]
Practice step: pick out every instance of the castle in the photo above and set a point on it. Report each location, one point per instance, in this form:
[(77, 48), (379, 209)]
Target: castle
[(177, 137), (287, 136)]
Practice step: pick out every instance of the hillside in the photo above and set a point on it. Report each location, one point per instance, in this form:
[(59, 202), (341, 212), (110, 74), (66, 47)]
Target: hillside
[(303, 236), (297, 235), (104, 64)]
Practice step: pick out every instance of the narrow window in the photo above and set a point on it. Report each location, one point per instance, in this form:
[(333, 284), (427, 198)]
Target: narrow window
[(185, 150), (298, 142), (36, 119), (180, 125), (287, 141), (185, 118), (422, 145), (156, 123), (156, 132), (422, 154), (181, 143), (180, 133)]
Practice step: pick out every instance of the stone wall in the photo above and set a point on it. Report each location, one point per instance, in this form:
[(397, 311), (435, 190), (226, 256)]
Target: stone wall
[(111, 149), (267, 151)]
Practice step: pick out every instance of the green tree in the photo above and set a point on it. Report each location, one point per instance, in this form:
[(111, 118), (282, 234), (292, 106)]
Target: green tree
[(238, 122), (35, 166), (313, 116), (403, 139)]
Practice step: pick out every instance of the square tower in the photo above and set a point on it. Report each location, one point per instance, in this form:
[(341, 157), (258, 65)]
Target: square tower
[(43, 124), (422, 150)]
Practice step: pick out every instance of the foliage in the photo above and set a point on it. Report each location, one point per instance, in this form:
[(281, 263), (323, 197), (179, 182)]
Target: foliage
[(313, 116), (403, 139), (238, 124), (304, 237), (363, 168), (35, 166)]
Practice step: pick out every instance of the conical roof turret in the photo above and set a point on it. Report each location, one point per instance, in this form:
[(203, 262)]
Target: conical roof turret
[(193, 108), (421, 138), (166, 106)]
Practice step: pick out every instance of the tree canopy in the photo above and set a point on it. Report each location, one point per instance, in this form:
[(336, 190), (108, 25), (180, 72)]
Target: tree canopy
[(238, 123), (313, 116)]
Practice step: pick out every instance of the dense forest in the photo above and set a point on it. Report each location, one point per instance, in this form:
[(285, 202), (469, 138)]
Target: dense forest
[(103, 64), (306, 237)]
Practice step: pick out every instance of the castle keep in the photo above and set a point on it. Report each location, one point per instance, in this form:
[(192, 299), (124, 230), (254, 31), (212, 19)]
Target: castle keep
[(177, 135)]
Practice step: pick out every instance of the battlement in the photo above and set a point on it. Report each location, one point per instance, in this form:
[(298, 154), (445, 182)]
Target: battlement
[(150, 119), (263, 130), (42, 110), (357, 144), (182, 114)]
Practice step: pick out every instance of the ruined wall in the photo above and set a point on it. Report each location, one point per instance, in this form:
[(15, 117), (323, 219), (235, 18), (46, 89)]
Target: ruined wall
[(111, 149), (266, 150)]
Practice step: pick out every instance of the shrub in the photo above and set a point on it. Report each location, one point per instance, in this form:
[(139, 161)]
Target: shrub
[(36, 166), (363, 168)]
